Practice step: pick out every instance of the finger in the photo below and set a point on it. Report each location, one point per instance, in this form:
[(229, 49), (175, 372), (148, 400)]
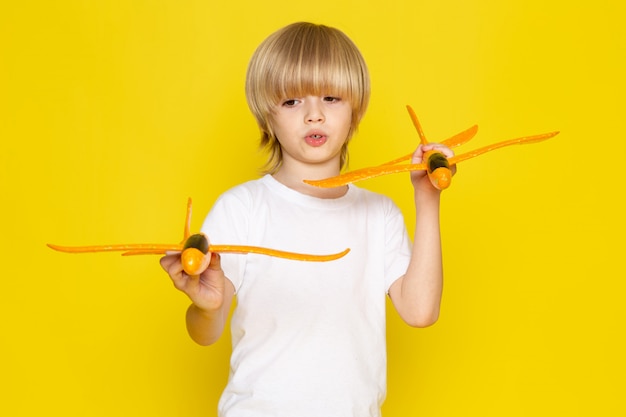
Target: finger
[(173, 266), (168, 261), (418, 155), (216, 261), (438, 147), (453, 169), (181, 280)]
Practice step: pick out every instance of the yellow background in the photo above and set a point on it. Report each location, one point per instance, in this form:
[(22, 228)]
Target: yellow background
[(113, 112)]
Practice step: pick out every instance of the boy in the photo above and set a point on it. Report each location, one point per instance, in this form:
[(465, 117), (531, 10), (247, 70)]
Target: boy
[(309, 338)]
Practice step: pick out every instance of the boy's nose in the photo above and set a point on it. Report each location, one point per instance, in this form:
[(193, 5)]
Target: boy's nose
[(315, 118), (314, 113)]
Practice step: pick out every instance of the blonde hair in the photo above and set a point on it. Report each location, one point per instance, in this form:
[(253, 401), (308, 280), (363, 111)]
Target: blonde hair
[(304, 59)]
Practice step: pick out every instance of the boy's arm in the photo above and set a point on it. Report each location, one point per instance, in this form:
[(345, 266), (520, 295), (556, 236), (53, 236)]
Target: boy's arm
[(417, 294), (206, 327), (211, 295)]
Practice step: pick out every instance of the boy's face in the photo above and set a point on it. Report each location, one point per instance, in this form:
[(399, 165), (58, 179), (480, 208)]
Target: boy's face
[(312, 129)]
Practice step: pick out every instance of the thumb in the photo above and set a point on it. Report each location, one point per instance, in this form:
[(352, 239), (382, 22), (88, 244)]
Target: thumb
[(418, 155)]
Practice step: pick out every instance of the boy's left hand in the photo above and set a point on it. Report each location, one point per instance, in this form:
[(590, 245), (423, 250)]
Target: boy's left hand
[(420, 180)]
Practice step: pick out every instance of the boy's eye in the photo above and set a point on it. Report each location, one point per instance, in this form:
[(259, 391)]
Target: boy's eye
[(290, 102), (331, 99)]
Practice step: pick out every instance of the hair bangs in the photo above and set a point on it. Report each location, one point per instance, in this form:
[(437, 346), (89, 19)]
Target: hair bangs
[(319, 73)]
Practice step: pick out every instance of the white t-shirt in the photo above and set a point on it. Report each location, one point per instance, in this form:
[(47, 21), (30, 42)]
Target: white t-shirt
[(308, 337)]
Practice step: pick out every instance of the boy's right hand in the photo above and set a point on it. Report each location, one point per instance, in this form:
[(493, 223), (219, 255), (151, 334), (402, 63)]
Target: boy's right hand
[(206, 290)]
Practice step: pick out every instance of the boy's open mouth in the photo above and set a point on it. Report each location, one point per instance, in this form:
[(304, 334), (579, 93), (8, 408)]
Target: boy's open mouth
[(316, 139)]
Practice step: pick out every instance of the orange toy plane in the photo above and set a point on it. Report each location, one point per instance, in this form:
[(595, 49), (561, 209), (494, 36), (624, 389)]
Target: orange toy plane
[(195, 250), (436, 165)]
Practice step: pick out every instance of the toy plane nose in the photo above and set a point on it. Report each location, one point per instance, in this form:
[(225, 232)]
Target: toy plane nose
[(441, 178)]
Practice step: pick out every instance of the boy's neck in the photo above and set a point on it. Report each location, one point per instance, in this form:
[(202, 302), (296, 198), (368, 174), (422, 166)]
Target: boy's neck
[(295, 182)]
